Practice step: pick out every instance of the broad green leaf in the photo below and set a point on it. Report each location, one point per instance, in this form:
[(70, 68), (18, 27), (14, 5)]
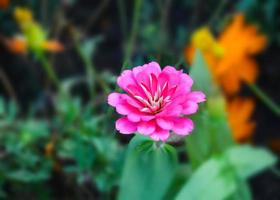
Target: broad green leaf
[(213, 180), (211, 134), (183, 172), (245, 5), (148, 171), (248, 160), (200, 74)]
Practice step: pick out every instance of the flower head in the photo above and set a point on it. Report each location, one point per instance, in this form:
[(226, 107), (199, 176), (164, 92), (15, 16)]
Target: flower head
[(33, 33), (156, 101), (229, 57), (23, 15)]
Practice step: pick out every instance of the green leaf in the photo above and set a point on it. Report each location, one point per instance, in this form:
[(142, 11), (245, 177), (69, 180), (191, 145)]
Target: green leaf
[(245, 5), (148, 171), (183, 172), (89, 46), (212, 134), (249, 161), (202, 77), (213, 180), (26, 176)]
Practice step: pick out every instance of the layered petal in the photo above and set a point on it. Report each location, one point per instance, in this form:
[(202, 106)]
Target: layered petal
[(124, 126), (182, 126)]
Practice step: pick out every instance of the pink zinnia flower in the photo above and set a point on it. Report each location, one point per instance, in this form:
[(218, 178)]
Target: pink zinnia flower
[(156, 101)]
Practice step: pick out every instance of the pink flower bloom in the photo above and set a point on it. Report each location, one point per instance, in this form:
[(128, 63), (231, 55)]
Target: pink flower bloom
[(156, 101)]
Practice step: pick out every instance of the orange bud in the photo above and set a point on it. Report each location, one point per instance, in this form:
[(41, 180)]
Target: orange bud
[(4, 4), (53, 46), (16, 45), (49, 148)]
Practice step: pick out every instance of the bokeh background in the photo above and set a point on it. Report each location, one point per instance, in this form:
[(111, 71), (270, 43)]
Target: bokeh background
[(53, 146)]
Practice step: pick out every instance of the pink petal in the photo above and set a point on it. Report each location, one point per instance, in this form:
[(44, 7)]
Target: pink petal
[(153, 68), (169, 69), (147, 117), (124, 126), (190, 107), (133, 102), (114, 98), (133, 117), (137, 70), (171, 110), (146, 128), (165, 123), (182, 126), (160, 134), (147, 69), (186, 80), (196, 96), (124, 108), (125, 79)]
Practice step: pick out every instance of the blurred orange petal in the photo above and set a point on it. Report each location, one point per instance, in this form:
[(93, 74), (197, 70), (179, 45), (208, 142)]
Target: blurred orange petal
[(49, 149), (239, 115), (249, 70), (189, 53), (4, 4), (53, 46), (16, 45)]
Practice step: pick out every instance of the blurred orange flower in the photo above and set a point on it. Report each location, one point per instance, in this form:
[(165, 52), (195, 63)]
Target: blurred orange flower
[(4, 4), (239, 114), (34, 35), (229, 59), (17, 45), (52, 46), (49, 149)]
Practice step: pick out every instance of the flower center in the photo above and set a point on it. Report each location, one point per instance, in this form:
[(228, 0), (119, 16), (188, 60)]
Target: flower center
[(157, 97)]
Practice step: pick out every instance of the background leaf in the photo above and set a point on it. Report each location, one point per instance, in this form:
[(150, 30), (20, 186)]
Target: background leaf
[(248, 161)]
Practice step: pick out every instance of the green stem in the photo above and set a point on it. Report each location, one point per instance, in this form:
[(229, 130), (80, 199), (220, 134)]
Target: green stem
[(133, 33), (123, 20), (90, 72), (49, 69), (217, 12), (265, 98)]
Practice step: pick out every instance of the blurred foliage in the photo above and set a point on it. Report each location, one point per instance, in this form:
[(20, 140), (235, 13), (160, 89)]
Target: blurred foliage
[(265, 13)]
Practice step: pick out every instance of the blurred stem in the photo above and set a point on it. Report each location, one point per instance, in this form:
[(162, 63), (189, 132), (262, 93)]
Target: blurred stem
[(8, 86), (163, 37), (96, 14), (265, 99), (123, 20), (90, 72), (48, 68), (92, 76), (135, 25), (217, 12)]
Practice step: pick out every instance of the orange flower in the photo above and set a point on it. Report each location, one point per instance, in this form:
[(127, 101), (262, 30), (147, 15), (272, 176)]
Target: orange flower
[(240, 42), (52, 46), (4, 4), (230, 59), (17, 45), (239, 113), (34, 34), (49, 149)]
